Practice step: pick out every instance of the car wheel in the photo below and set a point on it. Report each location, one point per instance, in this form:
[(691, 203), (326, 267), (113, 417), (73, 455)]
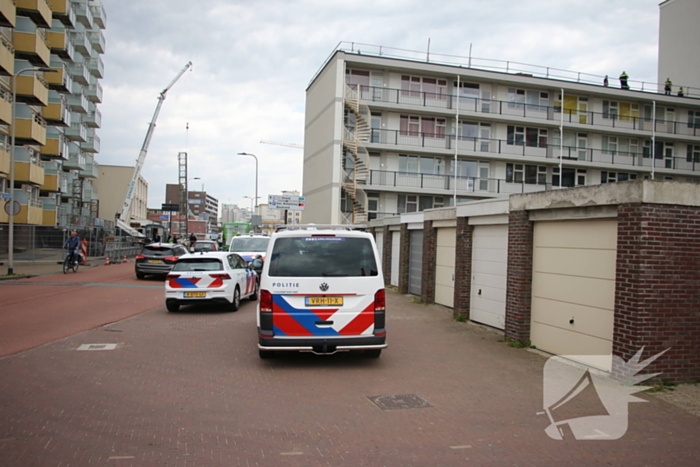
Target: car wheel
[(140, 275), (373, 353), (236, 303), (265, 354), (172, 306), (254, 296)]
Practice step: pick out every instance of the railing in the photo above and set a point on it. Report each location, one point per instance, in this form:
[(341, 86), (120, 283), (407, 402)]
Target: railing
[(507, 148), (502, 66), (469, 105)]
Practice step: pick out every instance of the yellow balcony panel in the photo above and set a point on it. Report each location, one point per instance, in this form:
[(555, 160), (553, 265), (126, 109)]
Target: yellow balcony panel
[(4, 162), (50, 183), (7, 57), (30, 131), (52, 149), (60, 44), (32, 90), (26, 172), (38, 10), (5, 109), (8, 13), (60, 81), (3, 216), (63, 12), (32, 215), (31, 47), (56, 114), (49, 217)]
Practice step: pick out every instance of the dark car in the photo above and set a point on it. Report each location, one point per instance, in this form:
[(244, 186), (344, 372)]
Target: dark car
[(158, 258)]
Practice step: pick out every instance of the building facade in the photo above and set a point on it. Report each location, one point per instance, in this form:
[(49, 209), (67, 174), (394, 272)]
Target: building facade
[(200, 204), (678, 61), (112, 182), (387, 135), (55, 114)]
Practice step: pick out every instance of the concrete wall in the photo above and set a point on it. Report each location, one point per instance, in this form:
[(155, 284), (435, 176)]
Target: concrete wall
[(111, 184)]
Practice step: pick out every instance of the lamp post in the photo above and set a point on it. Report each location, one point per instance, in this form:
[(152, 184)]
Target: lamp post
[(256, 176), (11, 211)]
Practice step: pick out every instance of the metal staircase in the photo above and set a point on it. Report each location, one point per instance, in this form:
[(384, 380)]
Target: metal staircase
[(355, 169)]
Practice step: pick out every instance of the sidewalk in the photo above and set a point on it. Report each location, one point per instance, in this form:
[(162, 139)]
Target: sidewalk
[(42, 268)]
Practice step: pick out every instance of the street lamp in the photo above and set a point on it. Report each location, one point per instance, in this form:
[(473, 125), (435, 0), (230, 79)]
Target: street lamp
[(256, 176), (11, 211)]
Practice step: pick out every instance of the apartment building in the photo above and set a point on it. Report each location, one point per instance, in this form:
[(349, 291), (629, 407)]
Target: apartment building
[(55, 113), (677, 30), (390, 131), (201, 204)]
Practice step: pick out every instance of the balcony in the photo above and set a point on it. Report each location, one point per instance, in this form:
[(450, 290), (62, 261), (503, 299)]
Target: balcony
[(66, 183), (83, 13), (51, 177), (60, 44), (93, 119), (30, 130), (49, 211), (8, 13), (56, 146), (96, 67), (75, 161), (76, 132), (78, 102), (63, 11), (32, 90), (61, 81), (31, 210), (91, 144), (33, 47), (80, 42), (28, 172), (91, 170), (38, 11), (4, 160), (7, 57), (57, 112), (5, 107), (98, 14), (79, 72), (97, 40), (94, 93)]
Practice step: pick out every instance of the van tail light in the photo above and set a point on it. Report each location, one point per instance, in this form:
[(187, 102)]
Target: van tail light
[(380, 300), (139, 257), (265, 301), (170, 258)]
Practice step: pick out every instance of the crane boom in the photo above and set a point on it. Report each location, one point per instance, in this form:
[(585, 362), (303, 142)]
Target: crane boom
[(289, 145), (123, 221)]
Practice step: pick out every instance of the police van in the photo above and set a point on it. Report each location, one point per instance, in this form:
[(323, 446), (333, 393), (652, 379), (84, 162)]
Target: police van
[(322, 291)]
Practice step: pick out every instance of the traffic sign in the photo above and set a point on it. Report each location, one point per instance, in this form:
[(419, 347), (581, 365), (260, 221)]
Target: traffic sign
[(6, 195), (170, 207), (290, 203), (9, 208)]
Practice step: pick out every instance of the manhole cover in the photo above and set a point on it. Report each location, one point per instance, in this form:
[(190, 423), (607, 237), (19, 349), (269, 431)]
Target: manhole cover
[(400, 401), (98, 347)]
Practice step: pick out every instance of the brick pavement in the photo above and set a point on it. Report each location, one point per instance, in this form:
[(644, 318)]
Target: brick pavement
[(188, 389)]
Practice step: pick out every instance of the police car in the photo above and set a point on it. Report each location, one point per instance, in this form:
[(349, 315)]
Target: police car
[(249, 245), (321, 291), (216, 277)]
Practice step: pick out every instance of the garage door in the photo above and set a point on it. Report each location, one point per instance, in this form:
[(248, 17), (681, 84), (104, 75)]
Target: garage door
[(415, 271), (573, 288), (380, 244), (395, 253), (445, 267), (489, 275)]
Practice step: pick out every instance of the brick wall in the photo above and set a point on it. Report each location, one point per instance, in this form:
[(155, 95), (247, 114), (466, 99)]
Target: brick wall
[(657, 295), (429, 262), (386, 254), (519, 281), (463, 268), (404, 258)]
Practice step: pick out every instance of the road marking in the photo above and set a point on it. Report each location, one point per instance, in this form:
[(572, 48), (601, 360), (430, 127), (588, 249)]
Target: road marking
[(112, 458), (465, 446), (292, 453), (97, 347)]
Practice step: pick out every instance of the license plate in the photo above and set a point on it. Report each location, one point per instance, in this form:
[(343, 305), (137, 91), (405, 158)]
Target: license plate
[(155, 261), (324, 301), (195, 294)]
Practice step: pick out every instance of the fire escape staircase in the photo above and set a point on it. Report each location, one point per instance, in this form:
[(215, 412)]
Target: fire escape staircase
[(356, 173)]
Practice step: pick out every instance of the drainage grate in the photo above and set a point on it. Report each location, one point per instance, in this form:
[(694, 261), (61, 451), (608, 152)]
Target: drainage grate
[(400, 401), (98, 347)]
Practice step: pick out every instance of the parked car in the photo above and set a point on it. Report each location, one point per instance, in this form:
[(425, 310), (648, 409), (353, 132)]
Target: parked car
[(217, 278), (321, 291), (157, 258), (204, 246), (249, 245)]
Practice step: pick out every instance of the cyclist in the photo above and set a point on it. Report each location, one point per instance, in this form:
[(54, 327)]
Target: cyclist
[(73, 245)]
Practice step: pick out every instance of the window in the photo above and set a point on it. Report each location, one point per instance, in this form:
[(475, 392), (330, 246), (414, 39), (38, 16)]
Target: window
[(411, 125), (612, 177), (423, 165), (467, 169), (693, 154), (522, 136), (530, 174), (322, 257), (356, 78), (407, 203), (570, 178), (610, 110), (516, 98), (414, 85), (415, 203), (609, 144), (693, 119)]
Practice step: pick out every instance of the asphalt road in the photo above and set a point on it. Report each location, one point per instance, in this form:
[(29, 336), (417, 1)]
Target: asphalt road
[(187, 388)]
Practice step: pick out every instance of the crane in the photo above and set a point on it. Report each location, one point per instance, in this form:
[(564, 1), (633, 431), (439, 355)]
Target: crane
[(289, 145), (123, 220)]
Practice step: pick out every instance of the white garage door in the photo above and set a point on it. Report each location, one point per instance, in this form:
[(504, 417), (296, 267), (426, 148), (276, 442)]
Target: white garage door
[(445, 266), (380, 244), (395, 253), (573, 288), (415, 271), (489, 275)]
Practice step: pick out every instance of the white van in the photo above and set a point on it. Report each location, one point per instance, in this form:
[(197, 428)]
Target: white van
[(321, 291)]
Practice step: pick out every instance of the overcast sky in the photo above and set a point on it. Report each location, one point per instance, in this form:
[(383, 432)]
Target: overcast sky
[(253, 59)]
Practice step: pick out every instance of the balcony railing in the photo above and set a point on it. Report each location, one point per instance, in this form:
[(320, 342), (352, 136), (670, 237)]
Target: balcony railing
[(433, 141), (477, 105)]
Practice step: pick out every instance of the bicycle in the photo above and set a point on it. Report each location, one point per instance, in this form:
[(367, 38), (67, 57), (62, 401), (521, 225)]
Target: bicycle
[(71, 262)]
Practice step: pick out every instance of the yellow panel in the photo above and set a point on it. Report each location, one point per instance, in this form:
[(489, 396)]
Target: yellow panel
[(594, 233), (570, 104), (48, 217), (598, 293), (4, 162), (599, 264)]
